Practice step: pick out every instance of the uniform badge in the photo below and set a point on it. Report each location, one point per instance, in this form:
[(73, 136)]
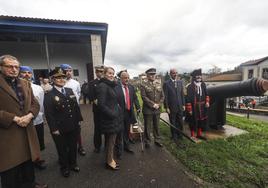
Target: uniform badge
[(57, 98)]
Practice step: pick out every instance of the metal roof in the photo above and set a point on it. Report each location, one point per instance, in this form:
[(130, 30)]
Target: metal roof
[(254, 62), (49, 26)]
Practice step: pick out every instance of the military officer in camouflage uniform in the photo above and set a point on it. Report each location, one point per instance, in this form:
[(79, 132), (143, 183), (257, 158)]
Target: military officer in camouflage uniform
[(153, 97)]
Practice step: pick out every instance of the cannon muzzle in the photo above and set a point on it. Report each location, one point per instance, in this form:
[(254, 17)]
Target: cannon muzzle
[(252, 87)]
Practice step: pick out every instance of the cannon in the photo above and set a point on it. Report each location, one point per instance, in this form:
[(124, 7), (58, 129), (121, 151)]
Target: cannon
[(218, 95)]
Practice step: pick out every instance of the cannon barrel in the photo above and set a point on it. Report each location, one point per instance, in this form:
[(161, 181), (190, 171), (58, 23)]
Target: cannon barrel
[(252, 87), (218, 95)]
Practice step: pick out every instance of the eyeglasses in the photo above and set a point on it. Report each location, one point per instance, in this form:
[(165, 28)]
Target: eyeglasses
[(11, 66)]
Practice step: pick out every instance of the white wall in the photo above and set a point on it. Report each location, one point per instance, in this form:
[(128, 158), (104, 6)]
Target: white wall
[(257, 70), (33, 54)]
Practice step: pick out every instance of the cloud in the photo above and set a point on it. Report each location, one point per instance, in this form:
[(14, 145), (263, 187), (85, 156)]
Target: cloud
[(184, 34)]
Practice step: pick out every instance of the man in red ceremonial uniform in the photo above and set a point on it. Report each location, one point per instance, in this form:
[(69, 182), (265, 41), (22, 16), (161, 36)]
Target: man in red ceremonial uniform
[(197, 104)]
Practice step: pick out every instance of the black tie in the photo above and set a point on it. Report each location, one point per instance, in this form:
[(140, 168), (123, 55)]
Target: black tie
[(63, 91)]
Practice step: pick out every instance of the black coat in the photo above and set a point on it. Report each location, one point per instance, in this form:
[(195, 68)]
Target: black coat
[(92, 92), (133, 100), (197, 102), (174, 96), (108, 107), (62, 112)]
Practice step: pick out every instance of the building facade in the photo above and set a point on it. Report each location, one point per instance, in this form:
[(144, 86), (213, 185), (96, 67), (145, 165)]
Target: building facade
[(255, 69)]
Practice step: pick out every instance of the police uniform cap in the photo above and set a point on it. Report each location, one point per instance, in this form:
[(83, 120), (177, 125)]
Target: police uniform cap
[(57, 72), (99, 67), (197, 72), (151, 71)]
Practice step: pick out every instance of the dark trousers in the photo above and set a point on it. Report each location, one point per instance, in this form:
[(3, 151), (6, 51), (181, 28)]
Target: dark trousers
[(21, 176), (122, 138), (175, 119), (97, 131), (151, 124), (40, 134), (66, 145), (85, 98)]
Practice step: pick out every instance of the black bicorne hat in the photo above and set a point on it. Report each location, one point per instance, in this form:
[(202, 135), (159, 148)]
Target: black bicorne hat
[(197, 72)]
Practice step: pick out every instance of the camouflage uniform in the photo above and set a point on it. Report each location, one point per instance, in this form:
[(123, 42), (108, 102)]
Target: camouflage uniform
[(151, 93)]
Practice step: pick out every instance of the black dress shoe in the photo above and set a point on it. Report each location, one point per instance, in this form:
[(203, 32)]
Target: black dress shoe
[(158, 144), (75, 169), (81, 151), (111, 168), (129, 150), (65, 173)]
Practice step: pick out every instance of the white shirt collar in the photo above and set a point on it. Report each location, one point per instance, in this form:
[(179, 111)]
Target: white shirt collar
[(58, 88)]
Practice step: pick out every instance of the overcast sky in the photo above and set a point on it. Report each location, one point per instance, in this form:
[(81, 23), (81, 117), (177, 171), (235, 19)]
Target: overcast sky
[(184, 34)]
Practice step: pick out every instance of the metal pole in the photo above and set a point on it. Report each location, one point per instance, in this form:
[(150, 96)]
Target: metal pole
[(183, 134), (248, 113), (47, 53)]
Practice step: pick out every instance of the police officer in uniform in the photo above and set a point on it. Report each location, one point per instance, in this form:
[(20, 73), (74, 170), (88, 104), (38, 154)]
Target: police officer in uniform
[(63, 116), (93, 85), (75, 86), (153, 97)]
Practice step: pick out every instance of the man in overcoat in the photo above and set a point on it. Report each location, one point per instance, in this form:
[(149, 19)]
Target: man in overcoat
[(18, 139), (174, 103)]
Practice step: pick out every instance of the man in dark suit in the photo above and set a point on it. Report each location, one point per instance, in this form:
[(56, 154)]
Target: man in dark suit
[(63, 116), (18, 139), (174, 103), (93, 86), (127, 98)]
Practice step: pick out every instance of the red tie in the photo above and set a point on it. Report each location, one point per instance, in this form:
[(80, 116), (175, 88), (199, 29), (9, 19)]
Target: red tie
[(127, 97)]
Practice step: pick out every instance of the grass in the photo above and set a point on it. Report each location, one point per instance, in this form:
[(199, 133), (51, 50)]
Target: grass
[(240, 161)]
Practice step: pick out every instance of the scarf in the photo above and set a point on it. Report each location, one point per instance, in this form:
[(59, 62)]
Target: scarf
[(198, 87)]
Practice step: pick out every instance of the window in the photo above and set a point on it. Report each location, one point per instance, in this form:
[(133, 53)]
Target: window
[(265, 73), (76, 72), (250, 73)]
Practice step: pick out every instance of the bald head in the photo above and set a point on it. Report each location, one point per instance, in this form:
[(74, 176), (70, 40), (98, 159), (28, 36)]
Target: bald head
[(124, 77), (173, 73)]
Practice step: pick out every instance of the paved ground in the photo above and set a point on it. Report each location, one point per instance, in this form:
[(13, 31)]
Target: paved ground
[(153, 168)]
